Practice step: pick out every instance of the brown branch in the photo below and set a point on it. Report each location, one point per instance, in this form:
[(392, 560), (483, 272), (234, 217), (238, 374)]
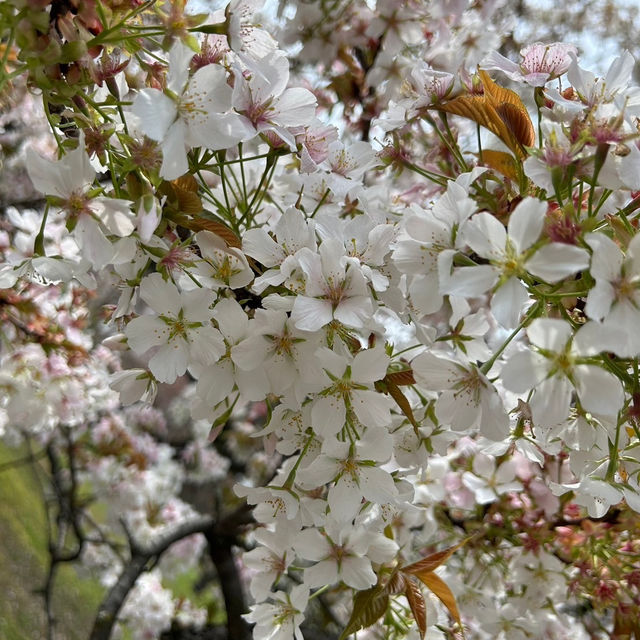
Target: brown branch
[(140, 556)]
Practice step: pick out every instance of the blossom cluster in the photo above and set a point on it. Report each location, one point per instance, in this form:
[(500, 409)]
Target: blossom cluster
[(441, 327)]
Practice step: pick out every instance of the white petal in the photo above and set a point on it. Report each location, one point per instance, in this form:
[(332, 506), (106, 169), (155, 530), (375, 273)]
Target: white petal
[(469, 281), (311, 314), (174, 152), (549, 333), (551, 401), (523, 371), (435, 373), (599, 300), (146, 332), (486, 236), (162, 296), (356, 572), (507, 302), (156, 112), (370, 365), (94, 244), (607, 258), (371, 408), (328, 416), (600, 392), (170, 361), (353, 312), (526, 222), (557, 261), (115, 215), (179, 59)]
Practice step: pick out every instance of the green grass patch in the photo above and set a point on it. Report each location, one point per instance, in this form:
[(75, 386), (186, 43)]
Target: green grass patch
[(24, 561)]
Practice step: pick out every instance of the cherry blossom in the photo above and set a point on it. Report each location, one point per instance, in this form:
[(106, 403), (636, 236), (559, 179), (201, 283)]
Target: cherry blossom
[(192, 112), (180, 332), (540, 63)]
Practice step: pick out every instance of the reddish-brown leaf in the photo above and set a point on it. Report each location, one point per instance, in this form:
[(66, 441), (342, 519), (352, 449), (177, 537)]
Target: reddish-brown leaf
[(500, 110), (501, 161), (394, 391), (368, 607), (518, 122), (401, 378), (440, 589), (414, 596), (186, 183), (397, 583), (433, 561), (220, 229)]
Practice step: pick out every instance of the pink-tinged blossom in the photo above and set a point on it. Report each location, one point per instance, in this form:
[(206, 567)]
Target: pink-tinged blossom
[(242, 31), (180, 331), (315, 140), (261, 95), (428, 86), (540, 63), (347, 165)]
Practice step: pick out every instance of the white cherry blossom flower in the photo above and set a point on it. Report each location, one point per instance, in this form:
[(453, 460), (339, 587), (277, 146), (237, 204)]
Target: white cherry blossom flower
[(349, 387), (292, 232), (270, 559), (555, 368), (217, 381), (488, 481), (70, 180), (281, 618), (221, 266), (341, 553), (191, 113), (334, 288), (468, 399), (180, 331), (510, 259), (596, 495), (355, 473)]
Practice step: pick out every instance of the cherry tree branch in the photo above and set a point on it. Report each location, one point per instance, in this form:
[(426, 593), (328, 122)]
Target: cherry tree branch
[(140, 556)]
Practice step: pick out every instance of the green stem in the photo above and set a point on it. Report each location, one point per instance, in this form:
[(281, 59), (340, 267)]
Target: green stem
[(434, 177), (613, 455), (103, 35), (38, 243), (288, 483), (485, 368)]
